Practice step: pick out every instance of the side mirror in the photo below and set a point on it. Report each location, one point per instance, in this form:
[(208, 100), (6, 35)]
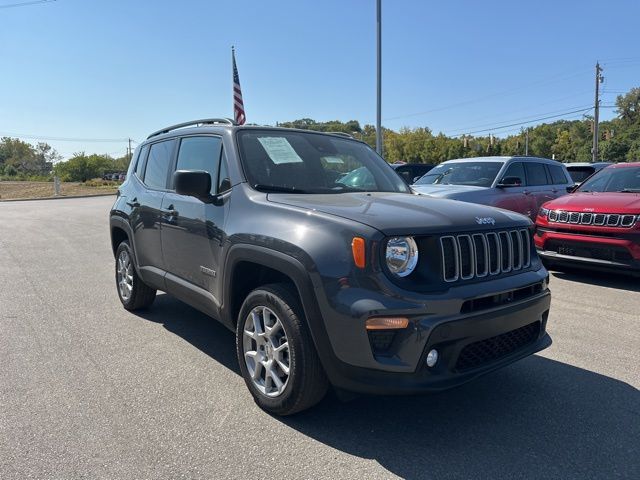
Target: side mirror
[(510, 182), (225, 184), (194, 183), (572, 188)]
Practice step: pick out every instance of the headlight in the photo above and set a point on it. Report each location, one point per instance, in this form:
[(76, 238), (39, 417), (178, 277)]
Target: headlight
[(544, 212), (401, 255)]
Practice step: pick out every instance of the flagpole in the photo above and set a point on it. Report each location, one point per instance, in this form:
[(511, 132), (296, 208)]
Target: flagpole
[(379, 75), (233, 107)]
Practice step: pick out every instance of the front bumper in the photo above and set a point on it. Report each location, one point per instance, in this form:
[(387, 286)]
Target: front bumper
[(593, 252), (450, 339), (470, 343)]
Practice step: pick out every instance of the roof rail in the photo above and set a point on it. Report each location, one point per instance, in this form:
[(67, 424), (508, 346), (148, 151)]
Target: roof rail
[(204, 121), (342, 134)]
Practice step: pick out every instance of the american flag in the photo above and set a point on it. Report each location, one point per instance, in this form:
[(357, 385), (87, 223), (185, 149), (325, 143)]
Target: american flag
[(238, 104)]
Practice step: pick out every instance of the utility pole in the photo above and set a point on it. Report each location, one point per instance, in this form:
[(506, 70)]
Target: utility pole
[(379, 76), (526, 142), (596, 112), (129, 151)]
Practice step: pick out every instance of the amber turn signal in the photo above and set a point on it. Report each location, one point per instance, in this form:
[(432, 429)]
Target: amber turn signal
[(358, 250), (386, 323)]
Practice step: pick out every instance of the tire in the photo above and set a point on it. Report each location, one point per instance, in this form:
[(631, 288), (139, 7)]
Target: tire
[(263, 356), (135, 295)]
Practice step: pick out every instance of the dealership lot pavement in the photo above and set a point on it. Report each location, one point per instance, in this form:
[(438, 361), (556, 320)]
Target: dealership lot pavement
[(88, 390)]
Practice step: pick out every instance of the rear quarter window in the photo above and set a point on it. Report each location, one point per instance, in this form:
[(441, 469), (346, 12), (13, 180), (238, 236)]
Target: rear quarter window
[(141, 161)]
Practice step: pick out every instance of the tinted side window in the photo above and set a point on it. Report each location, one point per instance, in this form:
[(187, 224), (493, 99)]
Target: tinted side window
[(516, 169), (201, 153), (158, 164), (142, 159), (536, 174), (557, 175)]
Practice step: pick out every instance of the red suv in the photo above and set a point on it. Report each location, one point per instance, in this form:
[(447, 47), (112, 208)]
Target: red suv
[(596, 226)]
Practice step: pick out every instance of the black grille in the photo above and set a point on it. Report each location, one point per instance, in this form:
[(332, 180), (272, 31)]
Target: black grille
[(381, 340), (474, 256), (484, 351), (599, 219)]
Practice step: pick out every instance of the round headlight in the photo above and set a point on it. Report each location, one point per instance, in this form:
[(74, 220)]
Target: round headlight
[(402, 255)]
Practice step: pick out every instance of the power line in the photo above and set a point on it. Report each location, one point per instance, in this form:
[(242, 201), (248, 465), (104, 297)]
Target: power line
[(26, 4), (498, 127), (553, 79)]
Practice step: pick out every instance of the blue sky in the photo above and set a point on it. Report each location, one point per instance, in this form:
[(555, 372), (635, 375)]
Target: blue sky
[(112, 69)]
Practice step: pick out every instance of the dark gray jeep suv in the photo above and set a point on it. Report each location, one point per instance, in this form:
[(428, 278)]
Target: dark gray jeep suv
[(366, 287)]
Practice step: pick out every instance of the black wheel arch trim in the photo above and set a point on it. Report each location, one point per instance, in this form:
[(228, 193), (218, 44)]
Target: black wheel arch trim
[(298, 273)]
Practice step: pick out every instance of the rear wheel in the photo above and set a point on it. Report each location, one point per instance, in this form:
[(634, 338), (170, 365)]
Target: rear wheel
[(132, 291), (277, 357)]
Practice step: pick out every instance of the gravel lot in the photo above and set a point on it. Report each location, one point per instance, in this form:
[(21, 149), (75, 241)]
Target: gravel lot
[(88, 390)]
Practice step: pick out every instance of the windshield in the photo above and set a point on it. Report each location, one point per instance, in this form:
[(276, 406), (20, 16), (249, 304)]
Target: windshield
[(580, 174), (298, 162), (477, 174), (622, 179)]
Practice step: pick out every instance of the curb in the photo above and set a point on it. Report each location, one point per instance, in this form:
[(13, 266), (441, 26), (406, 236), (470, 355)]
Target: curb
[(61, 197)]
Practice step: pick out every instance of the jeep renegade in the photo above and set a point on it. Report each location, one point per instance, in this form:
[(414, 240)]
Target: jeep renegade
[(326, 276)]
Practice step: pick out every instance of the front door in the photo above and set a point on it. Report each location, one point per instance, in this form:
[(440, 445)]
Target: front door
[(192, 230)]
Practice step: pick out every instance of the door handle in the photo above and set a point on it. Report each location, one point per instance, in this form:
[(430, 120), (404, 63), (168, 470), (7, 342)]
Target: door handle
[(133, 203), (170, 211)]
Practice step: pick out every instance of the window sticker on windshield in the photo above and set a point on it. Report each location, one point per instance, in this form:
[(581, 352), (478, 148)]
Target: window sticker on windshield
[(337, 160), (279, 150)]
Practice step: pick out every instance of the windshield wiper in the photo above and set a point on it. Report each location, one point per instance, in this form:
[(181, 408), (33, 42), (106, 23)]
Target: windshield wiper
[(277, 188), (630, 190)]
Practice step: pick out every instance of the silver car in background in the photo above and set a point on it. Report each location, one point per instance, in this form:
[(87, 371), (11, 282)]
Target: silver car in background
[(520, 184)]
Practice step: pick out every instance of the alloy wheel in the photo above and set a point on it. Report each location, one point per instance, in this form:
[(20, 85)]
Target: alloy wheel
[(266, 351)]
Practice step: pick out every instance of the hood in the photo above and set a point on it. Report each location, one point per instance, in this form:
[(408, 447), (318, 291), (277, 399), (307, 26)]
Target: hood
[(445, 191), (406, 214), (597, 202)]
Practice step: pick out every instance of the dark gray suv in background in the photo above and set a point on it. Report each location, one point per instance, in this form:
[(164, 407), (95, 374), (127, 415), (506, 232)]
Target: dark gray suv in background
[(363, 286), (519, 184)]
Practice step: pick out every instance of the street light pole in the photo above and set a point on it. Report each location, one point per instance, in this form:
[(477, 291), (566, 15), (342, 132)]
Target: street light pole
[(379, 75)]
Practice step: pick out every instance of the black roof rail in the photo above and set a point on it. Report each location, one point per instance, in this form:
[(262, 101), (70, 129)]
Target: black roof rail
[(342, 134), (204, 121)]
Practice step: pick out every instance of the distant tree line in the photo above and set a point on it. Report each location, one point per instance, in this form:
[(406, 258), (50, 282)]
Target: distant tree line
[(20, 160), (567, 141)]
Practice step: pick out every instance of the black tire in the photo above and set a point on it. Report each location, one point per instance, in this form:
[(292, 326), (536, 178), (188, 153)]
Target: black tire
[(141, 295), (307, 383)]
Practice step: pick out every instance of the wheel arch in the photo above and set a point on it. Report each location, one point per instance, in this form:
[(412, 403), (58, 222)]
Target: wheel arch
[(272, 267)]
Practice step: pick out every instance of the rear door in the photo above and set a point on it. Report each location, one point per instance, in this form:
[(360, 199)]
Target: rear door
[(560, 180), (151, 177), (193, 231)]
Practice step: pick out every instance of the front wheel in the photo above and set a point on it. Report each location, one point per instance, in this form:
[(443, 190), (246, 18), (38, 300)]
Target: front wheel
[(277, 357)]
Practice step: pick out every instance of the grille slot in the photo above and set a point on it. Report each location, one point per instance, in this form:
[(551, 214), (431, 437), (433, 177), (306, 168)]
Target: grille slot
[(478, 353), (627, 220), (474, 256), (599, 219), (574, 217), (585, 218)]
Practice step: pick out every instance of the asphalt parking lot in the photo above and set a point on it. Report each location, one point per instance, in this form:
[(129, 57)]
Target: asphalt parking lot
[(89, 390)]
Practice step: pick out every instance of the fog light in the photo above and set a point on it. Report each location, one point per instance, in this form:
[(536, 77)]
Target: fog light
[(432, 358)]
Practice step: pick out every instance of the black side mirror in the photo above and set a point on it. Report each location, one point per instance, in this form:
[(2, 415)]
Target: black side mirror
[(225, 184), (194, 183), (510, 182)]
